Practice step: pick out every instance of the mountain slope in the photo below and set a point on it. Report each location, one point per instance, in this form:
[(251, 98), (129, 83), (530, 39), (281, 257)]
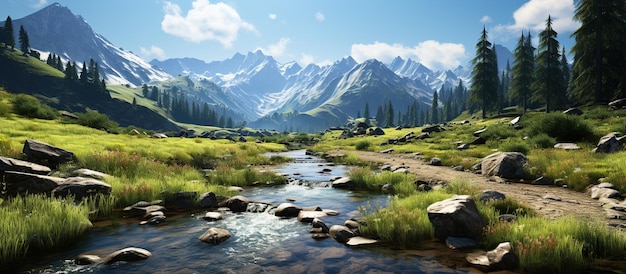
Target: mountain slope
[(22, 74), (57, 30)]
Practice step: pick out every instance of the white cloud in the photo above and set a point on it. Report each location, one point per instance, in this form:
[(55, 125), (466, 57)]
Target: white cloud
[(319, 16), (39, 4), (307, 59), (272, 16), (533, 15), (432, 54), (153, 51), (205, 21), (486, 19), (278, 49)]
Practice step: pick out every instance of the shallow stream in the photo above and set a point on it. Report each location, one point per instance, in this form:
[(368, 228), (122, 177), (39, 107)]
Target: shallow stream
[(260, 242)]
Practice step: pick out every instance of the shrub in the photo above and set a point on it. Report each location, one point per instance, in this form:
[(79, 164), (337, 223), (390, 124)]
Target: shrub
[(514, 146), (97, 120), (28, 106), (5, 109), (543, 140), (498, 132), (562, 127), (362, 145)]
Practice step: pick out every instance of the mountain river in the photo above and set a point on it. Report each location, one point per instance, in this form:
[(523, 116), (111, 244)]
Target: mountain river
[(260, 242)]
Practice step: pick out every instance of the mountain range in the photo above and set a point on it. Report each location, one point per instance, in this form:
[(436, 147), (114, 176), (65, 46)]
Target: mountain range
[(253, 88)]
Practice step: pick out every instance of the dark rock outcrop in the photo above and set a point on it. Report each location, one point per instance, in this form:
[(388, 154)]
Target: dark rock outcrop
[(457, 217), (80, 188), (26, 183), (45, 154), (10, 164)]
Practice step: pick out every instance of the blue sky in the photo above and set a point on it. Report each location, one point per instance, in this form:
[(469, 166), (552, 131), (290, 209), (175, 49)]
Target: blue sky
[(441, 34)]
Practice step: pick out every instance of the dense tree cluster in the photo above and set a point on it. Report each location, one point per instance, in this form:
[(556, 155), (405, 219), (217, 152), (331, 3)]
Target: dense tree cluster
[(543, 78), (174, 102), (89, 76)]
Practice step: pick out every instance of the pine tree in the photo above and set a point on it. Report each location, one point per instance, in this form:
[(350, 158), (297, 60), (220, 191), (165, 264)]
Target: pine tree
[(366, 113), (548, 86), (389, 115), (505, 82), (24, 41), (8, 37), (434, 108), (84, 75), (565, 69), (484, 87), (522, 72), (145, 90), (599, 51), (380, 116)]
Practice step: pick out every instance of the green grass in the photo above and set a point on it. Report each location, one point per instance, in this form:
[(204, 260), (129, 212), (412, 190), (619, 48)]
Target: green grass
[(35, 223), (364, 178)]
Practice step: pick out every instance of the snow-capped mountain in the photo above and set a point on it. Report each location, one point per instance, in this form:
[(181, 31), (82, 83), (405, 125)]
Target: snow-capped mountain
[(55, 29)]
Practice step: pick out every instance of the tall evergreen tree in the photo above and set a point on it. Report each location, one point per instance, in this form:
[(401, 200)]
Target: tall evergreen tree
[(8, 37), (505, 81), (366, 113), (599, 51), (565, 69), (434, 109), (380, 116), (389, 115), (548, 86), (522, 72), (24, 41), (484, 87), (84, 75)]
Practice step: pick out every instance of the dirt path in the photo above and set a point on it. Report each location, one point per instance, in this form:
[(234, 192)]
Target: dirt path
[(549, 201)]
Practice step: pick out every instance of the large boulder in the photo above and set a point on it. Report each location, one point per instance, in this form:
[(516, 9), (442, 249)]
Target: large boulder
[(508, 165), (45, 154), (10, 164), (344, 183), (306, 216), (433, 128), (287, 210), (26, 183), (129, 254), (214, 236), (236, 203), (208, 199), (80, 188), (457, 217), (608, 144), (376, 131)]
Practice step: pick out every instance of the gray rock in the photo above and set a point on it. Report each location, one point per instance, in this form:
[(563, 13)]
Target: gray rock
[(214, 236), (463, 146), (21, 183), (603, 192), (479, 132), (567, 146), (236, 203), (45, 154), (154, 220), (435, 161), (212, 216), (507, 165), (377, 131), (257, 207), (573, 111), (357, 240), (129, 254), (140, 210), (318, 223), (306, 216), (489, 195), (515, 121), (500, 258), (608, 144), (208, 199), (287, 210), (552, 197), (80, 188), (341, 233), (88, 173), (433, 128), (387, 187), (343, 183), (542, 181), (387, 151), (457, 217), (351, 224), (10, 164)]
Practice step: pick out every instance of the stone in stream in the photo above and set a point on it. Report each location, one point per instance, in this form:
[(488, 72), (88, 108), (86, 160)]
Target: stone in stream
[(87, 259), (354, 241), (287, 210), (343, 183), (154, 220), (236, 203), (318, 223), (341, 233), (500, 258), (212, 216), (214, 236), (309, 216), (129, 254), (208, 199)]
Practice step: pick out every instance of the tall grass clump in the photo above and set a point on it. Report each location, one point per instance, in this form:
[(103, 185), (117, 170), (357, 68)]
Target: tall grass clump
[(498, 132), (37, 222), (565, 245), (542, 140), (28, 106), (362, 145), (404, 221), (97, 120), (514, 146), (364, 178), (562, 127), (226, 176)]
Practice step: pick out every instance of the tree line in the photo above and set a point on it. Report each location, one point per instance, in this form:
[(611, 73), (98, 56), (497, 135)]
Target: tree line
[(174, 102), (541, 77)]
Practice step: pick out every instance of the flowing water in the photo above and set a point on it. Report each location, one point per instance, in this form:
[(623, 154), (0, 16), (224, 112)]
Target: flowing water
[(260, 242)]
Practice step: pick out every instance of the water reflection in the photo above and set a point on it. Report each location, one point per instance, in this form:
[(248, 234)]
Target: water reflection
[(260, 242)]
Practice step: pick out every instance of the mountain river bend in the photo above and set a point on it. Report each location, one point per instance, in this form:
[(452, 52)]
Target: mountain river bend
[(260, 242)]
